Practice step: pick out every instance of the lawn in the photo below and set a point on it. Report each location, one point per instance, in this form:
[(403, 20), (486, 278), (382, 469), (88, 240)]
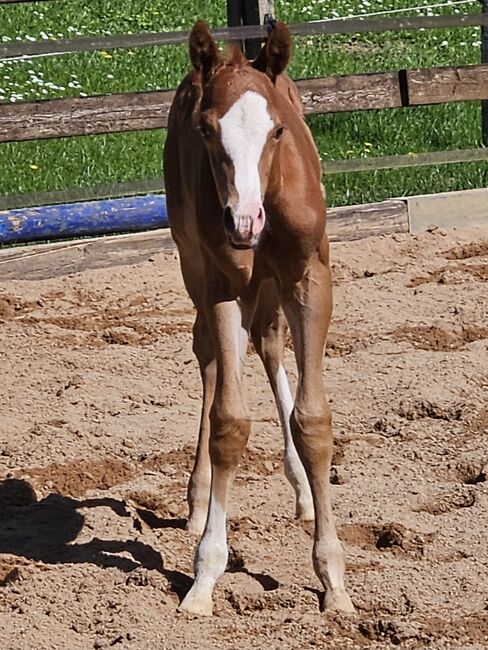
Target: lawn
[(85, 161)]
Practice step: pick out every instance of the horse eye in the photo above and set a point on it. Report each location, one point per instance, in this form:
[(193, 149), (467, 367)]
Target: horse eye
[(204, 130), (278, 133)]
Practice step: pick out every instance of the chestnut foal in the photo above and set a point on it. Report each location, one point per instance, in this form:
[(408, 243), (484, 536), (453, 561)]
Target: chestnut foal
[(246, 210)]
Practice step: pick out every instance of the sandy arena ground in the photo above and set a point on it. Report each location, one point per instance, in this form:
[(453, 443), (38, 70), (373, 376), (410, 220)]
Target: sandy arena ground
[(99, 406)]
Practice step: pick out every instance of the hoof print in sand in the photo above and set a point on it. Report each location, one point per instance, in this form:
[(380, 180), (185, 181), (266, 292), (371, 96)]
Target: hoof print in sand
[(394, 632), (393, 536), (447, 502), (472, 472), (423, 408)]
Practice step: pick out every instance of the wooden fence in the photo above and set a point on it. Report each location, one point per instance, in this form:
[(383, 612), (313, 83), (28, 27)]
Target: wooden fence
[(149, 110)]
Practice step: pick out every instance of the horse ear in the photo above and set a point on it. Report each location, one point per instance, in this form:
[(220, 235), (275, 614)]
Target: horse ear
[(204, 54), (275, 53)]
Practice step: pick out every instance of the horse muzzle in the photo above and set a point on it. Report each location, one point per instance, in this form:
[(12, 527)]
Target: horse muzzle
[(244, 226)]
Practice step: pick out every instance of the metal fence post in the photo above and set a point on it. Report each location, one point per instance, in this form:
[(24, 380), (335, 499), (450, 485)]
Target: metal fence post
[(249, 12), (484, 59)]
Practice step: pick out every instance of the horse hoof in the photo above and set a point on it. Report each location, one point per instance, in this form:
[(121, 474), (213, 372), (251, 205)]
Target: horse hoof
[(339, 600), (305, 512), (197, 606)]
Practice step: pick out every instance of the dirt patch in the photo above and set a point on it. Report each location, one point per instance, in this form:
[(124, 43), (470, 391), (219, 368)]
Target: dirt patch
[(423, 408), (78, 477), (391, 536), (176, 459), (340, 345), (465, 251), (259, 462), (9, 572), (13, 306), (434, 337), (457, 274)]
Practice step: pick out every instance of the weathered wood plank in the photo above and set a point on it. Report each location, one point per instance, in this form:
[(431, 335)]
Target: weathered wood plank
[(149, 110), (463, 209), (352, 92), (359, 221), (438, 85), (55, 118), (52, 260), (317, 28), (404, 160)]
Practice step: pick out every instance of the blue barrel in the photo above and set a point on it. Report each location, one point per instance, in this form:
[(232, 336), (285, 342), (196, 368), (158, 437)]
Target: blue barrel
[(83, 219)]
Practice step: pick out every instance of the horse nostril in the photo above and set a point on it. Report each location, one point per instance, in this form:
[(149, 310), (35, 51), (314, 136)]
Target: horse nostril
[(229, 220)]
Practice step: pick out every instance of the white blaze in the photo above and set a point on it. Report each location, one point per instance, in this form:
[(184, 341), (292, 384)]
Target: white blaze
[(245, 128)]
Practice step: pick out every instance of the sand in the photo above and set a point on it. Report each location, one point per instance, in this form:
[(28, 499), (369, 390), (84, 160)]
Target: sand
[(99, 407)]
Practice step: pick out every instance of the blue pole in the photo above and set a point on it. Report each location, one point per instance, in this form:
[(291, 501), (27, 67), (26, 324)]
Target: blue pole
[(83, 219)]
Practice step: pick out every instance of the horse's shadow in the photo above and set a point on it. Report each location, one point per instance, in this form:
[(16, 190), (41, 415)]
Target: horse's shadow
[(46, 531)]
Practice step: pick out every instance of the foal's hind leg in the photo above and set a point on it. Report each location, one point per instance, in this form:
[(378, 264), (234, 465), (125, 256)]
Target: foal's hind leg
[(199, 485), (268, 333), (307, 306)]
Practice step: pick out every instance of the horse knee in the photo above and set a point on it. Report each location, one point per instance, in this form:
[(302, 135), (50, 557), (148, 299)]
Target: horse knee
[(228, 440), (312, 435)]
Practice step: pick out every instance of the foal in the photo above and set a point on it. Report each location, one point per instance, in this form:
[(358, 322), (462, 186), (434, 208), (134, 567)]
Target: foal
[(247, 213)]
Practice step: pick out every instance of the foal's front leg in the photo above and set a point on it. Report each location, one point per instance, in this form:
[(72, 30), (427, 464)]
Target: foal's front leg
[(308, 308), (229, 431), (199, 485)]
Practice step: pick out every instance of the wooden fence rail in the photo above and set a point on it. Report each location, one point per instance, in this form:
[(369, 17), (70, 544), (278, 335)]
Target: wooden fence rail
[(156, 185), (319, 28), (56, 118)]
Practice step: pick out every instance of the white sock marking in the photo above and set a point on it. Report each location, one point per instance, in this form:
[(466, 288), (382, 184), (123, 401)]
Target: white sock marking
[(293, 465)]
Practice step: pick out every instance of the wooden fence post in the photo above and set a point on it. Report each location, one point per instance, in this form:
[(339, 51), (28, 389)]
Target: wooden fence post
[(484, 59), (234, 17), (249, 12)]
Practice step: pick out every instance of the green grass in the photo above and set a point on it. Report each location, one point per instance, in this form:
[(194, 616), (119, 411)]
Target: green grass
[(85, 161)]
